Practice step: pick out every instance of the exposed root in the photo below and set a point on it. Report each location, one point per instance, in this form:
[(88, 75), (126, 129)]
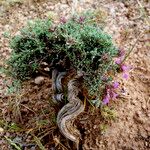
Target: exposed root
[(70, 111), (57, 85)]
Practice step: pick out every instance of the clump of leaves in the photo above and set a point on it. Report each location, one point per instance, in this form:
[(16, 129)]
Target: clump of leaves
[(108, 113), (75, 43)]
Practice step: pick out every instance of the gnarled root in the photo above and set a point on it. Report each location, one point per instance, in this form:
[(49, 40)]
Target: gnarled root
[(67, 115), (57, 85)]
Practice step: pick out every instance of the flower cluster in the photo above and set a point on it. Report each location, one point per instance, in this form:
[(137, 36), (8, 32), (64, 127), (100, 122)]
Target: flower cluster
[(119, 61), (111, 90), (121, 55), (79, 20), (63, 20)]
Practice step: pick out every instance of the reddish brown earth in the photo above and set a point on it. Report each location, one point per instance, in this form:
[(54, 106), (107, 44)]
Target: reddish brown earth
[(32, 109)]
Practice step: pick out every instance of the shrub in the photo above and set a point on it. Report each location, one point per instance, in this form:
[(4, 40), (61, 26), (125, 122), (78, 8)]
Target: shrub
[(78, 43)]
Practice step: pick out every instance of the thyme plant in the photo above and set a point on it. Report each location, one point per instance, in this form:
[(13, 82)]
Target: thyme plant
[(76, 43)]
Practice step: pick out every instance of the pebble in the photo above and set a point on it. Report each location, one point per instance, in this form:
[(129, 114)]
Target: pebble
[(63, 1), (63, 7), (44, 63), (50, 7), (1, 130), (47, 69), (94, 127), (39, 80)]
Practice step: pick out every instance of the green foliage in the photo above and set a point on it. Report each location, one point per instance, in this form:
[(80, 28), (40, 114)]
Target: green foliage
[(103, 128), (14, 127), (78, 43), (38, 142), (29, 49), (108, 113), (14, 87), (12, 143)]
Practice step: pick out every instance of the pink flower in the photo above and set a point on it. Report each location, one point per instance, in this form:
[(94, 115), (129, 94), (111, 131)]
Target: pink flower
[(110, 92), (118, 61), (121, 52), (114, 95), (124, 68), (115, 85), (125, 76), (63, 20), (106, 99), (81, 19)]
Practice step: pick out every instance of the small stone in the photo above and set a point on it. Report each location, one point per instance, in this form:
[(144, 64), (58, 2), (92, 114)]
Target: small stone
[(94, 127), (130, 136), (88, 131), (32, 7), (63, 1), (62, 7), (146, 144), (39, 80), (46, 69), (50, 7), (44, 63), (1, 130)]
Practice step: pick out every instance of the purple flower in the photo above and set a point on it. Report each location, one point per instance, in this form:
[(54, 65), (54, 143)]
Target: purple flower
[(81, 19), (118, 60), (114, 95), (124, 68), (125, 76), (121, 52), (63, 20), (106, 99), (115, 85)]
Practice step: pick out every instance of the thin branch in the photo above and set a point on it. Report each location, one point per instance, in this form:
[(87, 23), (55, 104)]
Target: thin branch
[(132, 48), (143, 12)]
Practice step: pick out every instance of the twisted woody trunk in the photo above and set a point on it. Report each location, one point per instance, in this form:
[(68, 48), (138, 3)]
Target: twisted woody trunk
[(68, 113)]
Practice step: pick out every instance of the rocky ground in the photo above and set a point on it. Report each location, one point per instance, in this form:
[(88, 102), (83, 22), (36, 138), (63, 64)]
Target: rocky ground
[(29, 114)]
